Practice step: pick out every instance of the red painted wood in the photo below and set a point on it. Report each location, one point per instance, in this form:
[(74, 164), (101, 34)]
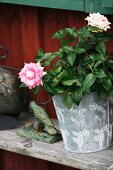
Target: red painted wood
[(29, 33), (23, 30), (110, 44), (53, 166), (13, 161), (10, 35)]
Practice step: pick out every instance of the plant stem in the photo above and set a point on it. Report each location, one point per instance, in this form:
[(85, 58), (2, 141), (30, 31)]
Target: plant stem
[(90, 68)]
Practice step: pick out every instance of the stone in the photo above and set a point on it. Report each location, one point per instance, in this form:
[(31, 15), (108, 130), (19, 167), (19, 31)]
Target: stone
[(7, 122)]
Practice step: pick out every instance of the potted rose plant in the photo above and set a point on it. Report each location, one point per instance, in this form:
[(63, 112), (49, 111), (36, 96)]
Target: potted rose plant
[(81, 83)]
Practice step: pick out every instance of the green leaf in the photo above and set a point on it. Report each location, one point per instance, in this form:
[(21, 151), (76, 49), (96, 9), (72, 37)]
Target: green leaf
[(51, 58), (71, 58), (107, 84), (55, 82), (105, 37), (81, 70), (78, 83), (59, 90), (57, 53), (70, 71), (100, 74), (67, 49), (61, 55), (68, 82), (58, 78), (88, 91), (94, 29), (80, 50), (58, 69), (110, 63), (60, 63), (98, 63), (62, 74), (36, 89), (82, 31), (86, 61), (77, 96), (89, 80), (101, 47), (49, 88), (71, 31), (46, 77), (23, 85), (65, 42), (60, 34), (102, 93), (46, 56), (110, 75), (47, 63), (68, 100), (98, 57), (52, 73), (80, 78), (40, 52)]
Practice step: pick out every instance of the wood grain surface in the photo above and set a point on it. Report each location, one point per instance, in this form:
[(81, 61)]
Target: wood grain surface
[(55, 152)]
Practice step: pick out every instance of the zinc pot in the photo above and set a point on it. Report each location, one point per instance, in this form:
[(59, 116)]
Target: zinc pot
[(87, 127)]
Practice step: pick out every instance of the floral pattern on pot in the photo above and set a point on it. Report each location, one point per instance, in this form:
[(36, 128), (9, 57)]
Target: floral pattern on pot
[(87, 127)]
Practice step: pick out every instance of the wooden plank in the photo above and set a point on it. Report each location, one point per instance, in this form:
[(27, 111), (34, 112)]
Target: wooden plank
[(29, 33), (102, 6), (107, 4), (55, 152), (13, 161), (96, 6), (60, 4), (10, 35)]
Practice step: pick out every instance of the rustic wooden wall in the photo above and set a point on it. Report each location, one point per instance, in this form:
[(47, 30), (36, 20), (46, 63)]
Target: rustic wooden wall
[(25, 29), (22, 31), (13, 161)]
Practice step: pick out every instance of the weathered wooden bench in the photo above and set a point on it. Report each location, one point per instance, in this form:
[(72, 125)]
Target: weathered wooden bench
[(56, 152)]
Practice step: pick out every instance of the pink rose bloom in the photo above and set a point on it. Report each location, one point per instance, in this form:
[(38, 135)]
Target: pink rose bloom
[(98, 20), (31, 74)]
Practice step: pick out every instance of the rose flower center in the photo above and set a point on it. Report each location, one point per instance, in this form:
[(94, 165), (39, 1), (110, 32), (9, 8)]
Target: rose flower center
[(30, 74)]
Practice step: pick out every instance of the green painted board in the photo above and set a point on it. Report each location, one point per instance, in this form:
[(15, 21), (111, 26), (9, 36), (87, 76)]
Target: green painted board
[(102, 6), (107, 3), (59, 4)]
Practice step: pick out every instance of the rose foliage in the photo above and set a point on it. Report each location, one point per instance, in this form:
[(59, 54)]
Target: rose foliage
[(83, 63)]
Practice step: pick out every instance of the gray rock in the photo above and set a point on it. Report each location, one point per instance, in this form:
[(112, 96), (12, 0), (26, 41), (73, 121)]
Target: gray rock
[(7, 122)]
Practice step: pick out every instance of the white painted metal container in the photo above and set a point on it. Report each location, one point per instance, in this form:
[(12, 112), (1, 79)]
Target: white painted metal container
[(87, 127)]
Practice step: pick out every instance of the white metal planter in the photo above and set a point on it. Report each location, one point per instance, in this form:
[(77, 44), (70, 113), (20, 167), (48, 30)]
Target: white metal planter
[(87, 127)]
